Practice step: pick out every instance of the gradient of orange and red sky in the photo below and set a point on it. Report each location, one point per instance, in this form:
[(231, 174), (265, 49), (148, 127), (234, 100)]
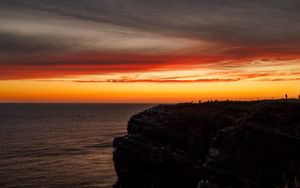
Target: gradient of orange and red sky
[(148, 51)]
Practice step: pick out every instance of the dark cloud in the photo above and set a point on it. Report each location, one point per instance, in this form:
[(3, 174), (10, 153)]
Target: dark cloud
[(230, 20), (11, 43)]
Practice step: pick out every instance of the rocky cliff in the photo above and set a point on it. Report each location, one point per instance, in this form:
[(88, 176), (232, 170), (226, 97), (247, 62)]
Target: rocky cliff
[(219, 144)]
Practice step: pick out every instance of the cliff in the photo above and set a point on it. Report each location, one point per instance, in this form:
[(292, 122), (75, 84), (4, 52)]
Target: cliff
[(220, 144)]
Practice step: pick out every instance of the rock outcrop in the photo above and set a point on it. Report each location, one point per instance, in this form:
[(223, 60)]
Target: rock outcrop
[(220, 144)]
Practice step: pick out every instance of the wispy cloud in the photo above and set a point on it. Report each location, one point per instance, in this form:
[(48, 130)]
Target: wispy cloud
[(157, 80), (187, 76), (279, 79)]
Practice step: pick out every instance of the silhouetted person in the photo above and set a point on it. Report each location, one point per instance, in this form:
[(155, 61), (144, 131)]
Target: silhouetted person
[(286, 96), (206, 184)]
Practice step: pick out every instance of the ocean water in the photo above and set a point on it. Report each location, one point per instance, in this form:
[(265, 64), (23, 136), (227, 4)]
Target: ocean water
[(60, 145)]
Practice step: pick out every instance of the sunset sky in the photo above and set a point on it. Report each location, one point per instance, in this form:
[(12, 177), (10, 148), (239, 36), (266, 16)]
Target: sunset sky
[(148, 51)]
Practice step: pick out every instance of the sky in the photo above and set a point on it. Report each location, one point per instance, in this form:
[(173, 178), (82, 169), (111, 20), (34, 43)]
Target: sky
[(148, 50)]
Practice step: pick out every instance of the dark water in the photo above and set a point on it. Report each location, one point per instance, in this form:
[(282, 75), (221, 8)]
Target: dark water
[(60, 145)]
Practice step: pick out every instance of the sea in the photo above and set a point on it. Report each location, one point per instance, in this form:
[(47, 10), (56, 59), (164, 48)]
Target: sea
[(61, 145)]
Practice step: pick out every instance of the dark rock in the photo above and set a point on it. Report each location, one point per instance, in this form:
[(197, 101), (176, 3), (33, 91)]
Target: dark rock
[(221, 144)]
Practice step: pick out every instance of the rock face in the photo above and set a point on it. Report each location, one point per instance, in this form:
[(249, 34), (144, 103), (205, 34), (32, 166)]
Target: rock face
[(220, 144)]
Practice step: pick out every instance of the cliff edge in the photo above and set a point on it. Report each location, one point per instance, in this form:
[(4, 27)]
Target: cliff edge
[(219, 144)]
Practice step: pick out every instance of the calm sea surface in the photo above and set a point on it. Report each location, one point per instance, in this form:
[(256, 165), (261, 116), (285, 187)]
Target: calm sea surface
[(60, 145)]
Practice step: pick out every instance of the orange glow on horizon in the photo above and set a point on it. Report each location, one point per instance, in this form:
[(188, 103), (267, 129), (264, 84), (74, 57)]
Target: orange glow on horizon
[(137, 78), (36, 91)]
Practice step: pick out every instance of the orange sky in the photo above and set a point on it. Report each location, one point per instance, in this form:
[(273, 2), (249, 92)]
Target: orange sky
[(152, 87), (34, 91), (136, 51), (149, 78)]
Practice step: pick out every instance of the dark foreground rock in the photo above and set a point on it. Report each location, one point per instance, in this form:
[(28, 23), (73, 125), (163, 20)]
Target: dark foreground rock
[(221, 144)]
